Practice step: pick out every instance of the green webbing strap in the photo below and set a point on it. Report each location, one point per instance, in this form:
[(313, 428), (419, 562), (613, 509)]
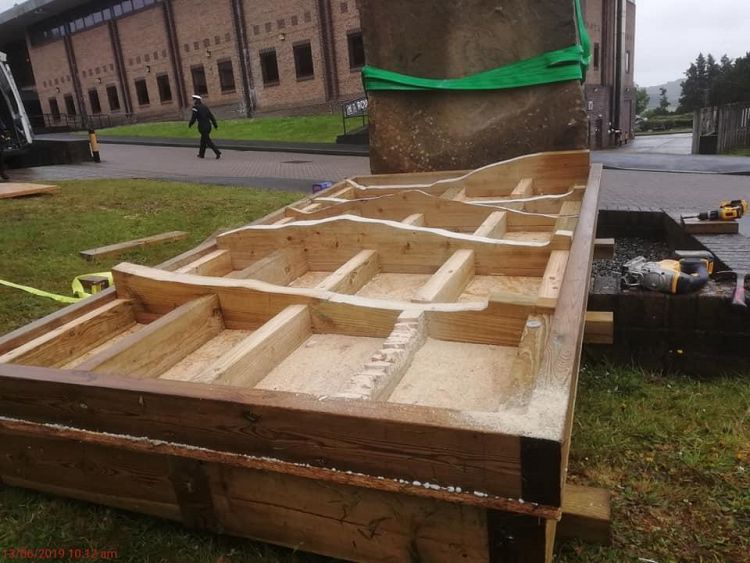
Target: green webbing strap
[(76, 286), (562, 65)]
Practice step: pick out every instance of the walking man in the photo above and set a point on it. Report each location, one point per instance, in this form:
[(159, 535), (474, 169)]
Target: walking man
[(205, 118)]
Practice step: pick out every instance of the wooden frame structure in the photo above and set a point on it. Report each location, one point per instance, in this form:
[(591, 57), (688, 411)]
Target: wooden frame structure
[(215, 391)]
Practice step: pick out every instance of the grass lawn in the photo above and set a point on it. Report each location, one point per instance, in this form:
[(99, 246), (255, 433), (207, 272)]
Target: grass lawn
[(310, 129), (740, 152), (674, 451)]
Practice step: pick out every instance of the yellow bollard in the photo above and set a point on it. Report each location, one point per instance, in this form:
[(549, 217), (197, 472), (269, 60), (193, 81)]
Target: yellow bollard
[(94, 146)]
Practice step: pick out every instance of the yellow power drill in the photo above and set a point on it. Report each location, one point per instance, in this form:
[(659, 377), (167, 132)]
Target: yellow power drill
[(728, 211)]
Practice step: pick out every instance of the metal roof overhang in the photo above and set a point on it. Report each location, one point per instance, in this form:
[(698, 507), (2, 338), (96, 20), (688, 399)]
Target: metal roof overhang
[(13, 22)]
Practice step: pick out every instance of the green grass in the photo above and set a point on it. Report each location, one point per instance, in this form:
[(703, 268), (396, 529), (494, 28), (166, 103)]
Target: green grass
[(663, 132), (40, 237), (740, 152), (310, 129), (675, 451)]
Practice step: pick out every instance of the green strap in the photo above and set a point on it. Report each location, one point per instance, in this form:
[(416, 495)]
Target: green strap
[(562, 65)]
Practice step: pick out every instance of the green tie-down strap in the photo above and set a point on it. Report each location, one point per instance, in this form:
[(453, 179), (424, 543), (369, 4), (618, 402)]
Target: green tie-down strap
[(562, 65)]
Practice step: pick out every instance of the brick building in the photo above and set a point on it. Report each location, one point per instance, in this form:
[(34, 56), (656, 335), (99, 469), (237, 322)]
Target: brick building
[(246, 57)]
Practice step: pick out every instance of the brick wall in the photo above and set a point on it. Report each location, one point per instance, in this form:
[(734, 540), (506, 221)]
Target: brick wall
[(96, 65), (146, 56), (279, 26), (346, 19), (598, 110), (205, 37), (593, 15), (51, 73)]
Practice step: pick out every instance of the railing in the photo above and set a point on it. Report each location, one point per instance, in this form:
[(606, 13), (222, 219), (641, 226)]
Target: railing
[(721, 129), (70, 122), (354, 109)]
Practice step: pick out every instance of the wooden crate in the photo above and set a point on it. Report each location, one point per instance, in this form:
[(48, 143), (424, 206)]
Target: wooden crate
[(256, 387)]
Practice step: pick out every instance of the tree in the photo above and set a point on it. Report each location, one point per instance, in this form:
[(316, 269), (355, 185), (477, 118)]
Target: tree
[(696, 86), (663, 108), (641, 100)]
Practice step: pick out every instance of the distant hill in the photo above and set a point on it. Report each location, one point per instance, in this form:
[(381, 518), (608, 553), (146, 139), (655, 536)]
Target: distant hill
[(674, 91)]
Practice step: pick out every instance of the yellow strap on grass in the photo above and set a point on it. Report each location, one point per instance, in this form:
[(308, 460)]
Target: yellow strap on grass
[(40, 293)]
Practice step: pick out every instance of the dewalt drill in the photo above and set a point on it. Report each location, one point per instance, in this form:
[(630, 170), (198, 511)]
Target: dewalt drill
[(685, 275), (728, 211)]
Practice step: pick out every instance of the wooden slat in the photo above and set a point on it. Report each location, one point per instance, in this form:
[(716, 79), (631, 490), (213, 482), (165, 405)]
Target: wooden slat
[(449, 281), (568, 219), (120, 247), (352, 275), (455, 193), (280, 267), (604, 249), (528, 357), (599, 327), (216, 263), (387, 367), (63, 344), (586, 515), (553, 275), (16, 189), (274, 424), (253, 358), (494, 226), (158, 346), (696, 227), (524, 188)]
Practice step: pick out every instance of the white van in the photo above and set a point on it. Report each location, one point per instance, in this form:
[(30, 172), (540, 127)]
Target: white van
[(12, 111)]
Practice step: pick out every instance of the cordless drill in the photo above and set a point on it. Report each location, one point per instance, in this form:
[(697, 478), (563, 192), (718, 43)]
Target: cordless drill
[(728, 211)]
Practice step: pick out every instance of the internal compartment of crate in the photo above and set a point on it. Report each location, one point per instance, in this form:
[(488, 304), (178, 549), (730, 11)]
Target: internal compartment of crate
[(384, 259), (474, 359)]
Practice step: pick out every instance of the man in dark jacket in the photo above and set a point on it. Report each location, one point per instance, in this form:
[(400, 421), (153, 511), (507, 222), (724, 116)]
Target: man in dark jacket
[(4, 137), (205, 118)]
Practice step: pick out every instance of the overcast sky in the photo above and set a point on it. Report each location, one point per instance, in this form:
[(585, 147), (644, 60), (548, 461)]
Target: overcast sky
[(670, 33)]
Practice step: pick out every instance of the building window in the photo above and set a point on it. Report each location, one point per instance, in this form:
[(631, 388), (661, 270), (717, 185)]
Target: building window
[(96, 106), (196, 45), (256, 29), (114, 99), (54, 109), (200, 86), (308, 17), (596, 56), (70, 106), (186, 46), (294, 20), (141, 92), (138, 60), (217, 39), (227, 37), (344, 7), (356, 50), (206, 43), (226, 76), (165, 90), (268, 27), (269, 68), (627, 62), (303, 61), (280, 24)]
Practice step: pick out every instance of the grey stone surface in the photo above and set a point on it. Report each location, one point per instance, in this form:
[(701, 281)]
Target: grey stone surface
[(417, 131)]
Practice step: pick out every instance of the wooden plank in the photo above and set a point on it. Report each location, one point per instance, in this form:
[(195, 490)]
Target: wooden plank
[(554, 274), (604, 249), (352, 275), (388, 439), (63, 344), (401, 248), (18, 189), (450, 280), (253, 358), (216, 263), (524, 188), (586, 515), (455, 193), (120, 247), (568, 219), (388, 366), (599, 327), (528, 358), (696, 227), (280, 267), (494, 226), (155, 348)]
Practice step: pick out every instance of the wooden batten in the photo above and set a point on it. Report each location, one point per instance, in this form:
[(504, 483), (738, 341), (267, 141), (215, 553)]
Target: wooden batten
[(120, 247), (528, 358), (76, 337), (568, 219), (253, 358), (604, 249), (416, 219), (158, 346), (494, 226), (387, 367), (450, 280), (354, 274), (554, 274), (216, 263), (599, 327), (279, 267)]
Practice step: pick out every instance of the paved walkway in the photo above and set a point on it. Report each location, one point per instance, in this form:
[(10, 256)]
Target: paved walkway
[(272, 170), (676, 143)]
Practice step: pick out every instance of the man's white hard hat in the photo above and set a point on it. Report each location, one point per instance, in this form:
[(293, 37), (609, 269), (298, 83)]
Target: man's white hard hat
[(197, 97)]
